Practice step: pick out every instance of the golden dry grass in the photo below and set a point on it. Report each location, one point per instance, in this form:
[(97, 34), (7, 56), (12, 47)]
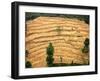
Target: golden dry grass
[(67, 41)]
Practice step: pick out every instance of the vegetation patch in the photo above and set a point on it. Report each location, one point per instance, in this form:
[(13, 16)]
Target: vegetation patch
[(28, 64), (50, 52), (85, 49), (31, 16)]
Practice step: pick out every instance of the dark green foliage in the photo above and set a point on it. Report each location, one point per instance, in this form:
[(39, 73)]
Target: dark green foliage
[(30, 16), (86, 42), (50, 51), (28, 64), (85, 49), (49, 61)]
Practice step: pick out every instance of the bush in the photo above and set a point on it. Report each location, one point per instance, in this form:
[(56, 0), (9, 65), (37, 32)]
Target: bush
[(28, 64), (85, 49), (86, 42)]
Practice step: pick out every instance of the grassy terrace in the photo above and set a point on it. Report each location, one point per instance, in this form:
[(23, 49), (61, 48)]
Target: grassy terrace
[(56, 40)]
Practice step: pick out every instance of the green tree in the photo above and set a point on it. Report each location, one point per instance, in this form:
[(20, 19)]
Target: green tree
[(50, 52)]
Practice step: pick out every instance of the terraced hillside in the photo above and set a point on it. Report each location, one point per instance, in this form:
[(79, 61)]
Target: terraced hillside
[(66, 35)]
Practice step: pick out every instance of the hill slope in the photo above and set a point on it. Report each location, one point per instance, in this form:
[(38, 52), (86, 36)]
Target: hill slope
[(67, 36)]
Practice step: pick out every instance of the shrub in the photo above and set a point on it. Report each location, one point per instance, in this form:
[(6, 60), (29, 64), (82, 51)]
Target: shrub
[(28, 64), (85, 49), (86, 42)]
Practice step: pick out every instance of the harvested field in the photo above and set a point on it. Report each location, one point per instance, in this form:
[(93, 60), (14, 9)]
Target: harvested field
[(66, 35)]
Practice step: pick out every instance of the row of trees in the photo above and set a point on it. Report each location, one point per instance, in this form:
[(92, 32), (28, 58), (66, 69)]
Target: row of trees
[(30, 15)]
